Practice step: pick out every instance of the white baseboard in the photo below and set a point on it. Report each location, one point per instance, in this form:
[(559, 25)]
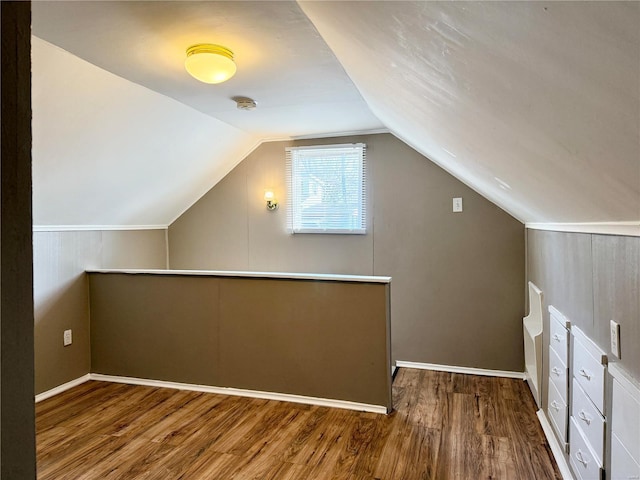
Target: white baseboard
[(62, 388), (534, 389), (556, 448), (466, 370), (282, 397)]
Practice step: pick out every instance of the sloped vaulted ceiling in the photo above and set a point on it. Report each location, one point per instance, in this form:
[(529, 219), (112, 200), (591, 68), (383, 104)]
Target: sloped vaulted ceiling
[(123, 136), (108, 152), (536, 105)]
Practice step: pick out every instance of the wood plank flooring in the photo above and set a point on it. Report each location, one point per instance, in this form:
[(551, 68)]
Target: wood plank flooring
[(445, 426)]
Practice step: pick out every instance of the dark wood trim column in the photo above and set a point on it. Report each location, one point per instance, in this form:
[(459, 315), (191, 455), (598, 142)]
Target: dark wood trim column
[(17, 425)]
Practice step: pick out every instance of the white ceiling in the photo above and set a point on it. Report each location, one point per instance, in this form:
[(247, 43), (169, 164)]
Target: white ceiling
[(535, 105), (283, 64), (108, 152)]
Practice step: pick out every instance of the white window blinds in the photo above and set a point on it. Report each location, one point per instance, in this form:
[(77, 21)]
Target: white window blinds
[(327, 189)]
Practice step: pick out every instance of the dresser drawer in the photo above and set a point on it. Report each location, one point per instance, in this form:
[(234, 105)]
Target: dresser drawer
[(558, 374), (559, 337), (583, 462), (558, 412), (625, 422), (588, 419), (623, 466), (589, 372)]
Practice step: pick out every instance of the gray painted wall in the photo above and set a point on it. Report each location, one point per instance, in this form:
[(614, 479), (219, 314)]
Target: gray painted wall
[(458, 279), (591, 279), (61, 292), (287, 336), (17, 422)]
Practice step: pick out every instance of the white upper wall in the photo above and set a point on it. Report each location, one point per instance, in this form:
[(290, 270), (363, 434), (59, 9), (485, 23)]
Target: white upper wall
[(535, 105), (108, 152)]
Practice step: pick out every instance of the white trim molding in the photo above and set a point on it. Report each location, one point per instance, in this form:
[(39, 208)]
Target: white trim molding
[(93, 228), (62, 388), (239, 392), (353, 133), (556, 448), (631, 229), (465, 370), (624, 378), (230, 273)]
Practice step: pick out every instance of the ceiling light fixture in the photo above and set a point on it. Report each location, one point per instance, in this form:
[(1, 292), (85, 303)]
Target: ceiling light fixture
[(210, 63)]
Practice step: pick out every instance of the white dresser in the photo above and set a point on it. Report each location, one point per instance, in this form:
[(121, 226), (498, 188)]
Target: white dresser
[(558, 391), (587, 426), (625, 426)]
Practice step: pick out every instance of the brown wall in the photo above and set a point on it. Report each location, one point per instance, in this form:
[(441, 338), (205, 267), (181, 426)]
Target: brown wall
[(591, 279), (61, 292), (17, 432), (458, 279), (287, 336)]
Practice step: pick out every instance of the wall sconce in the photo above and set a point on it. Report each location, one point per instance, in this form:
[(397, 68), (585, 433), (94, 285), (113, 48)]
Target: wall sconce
[(270, 197)]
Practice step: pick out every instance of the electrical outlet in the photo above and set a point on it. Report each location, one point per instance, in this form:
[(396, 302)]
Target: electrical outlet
[(615, 338), (68, 338), (457, 204)]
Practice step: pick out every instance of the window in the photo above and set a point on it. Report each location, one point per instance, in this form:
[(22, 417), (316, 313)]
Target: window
[(326, 189)]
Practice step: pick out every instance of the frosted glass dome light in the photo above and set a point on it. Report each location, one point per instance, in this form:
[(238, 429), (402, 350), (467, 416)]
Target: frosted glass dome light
[(210, 63)]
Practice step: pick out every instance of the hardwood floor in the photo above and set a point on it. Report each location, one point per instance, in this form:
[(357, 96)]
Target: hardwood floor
[(445, 426)]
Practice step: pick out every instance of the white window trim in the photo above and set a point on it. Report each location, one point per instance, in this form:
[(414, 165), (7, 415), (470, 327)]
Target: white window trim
[(290, 196)]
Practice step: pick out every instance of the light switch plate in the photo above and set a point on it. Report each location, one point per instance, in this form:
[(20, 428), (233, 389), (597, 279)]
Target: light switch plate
[(68, 338), (457, 204), (615, 338)]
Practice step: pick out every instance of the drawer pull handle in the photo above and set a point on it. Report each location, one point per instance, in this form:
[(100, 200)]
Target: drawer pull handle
[(555, 406), (580, 458), (556, 370), (584, 417), (557, 337), (585, 374)]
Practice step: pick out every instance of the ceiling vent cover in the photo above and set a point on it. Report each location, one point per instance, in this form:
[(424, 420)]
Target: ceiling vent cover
[(245, 103)]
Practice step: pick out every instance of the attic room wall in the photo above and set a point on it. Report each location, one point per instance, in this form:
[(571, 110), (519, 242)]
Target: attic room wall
[(458, 279), (61, 291), (591, 279)]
